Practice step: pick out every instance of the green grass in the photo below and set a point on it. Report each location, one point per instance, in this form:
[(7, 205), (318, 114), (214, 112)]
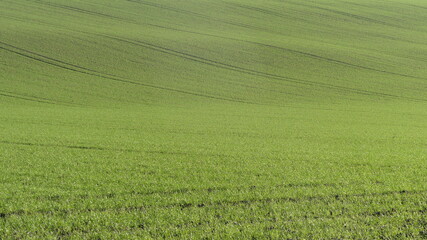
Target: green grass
[(213, 119)]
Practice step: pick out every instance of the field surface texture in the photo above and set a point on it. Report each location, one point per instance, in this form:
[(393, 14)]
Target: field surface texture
[(213, 119)]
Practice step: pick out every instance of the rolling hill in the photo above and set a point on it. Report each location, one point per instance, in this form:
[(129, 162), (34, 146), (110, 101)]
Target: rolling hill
[(129, 119)]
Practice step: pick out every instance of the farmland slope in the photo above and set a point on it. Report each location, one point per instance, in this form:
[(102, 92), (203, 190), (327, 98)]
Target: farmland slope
[(127, 119)]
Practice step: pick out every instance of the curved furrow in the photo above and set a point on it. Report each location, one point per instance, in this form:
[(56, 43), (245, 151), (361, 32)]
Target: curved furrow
[(84, 70), (35, 99), (24, 98), (346, 14), (314, 55), (299, 52), (56, 60), (79, 10), (122, 80), (256, 73), (205, 17), (268, 12)]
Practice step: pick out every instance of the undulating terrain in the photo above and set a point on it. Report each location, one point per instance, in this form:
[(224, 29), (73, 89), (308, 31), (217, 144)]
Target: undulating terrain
[(216, 119)]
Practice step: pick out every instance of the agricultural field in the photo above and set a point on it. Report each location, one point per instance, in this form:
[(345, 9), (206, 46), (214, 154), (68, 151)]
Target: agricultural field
[(213, 119)]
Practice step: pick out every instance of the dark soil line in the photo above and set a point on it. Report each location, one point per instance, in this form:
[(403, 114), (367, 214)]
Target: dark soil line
[(290, 199), (37, 99), (27, 99), (68, 146), (161, 152), (225, 203), (346, 14), (184, 191), (56, 60)]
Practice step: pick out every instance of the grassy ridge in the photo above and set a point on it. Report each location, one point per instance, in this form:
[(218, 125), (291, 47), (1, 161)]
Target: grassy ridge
[(213, 119), (262, 52)]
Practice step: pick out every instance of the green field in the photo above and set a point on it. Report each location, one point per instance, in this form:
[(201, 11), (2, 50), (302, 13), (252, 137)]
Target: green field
[(213, 119)]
